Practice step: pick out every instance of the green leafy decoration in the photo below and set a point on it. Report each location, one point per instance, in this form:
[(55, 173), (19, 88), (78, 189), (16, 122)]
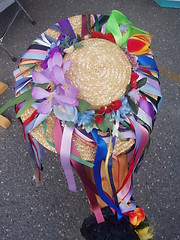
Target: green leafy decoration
[(83, 105), (141, 82), (133, 105), (78, 45), (16, 100), (142, 225), (45, 130), (29, 101), (101, 22), (79, 38), (128, 88), (105, 125)]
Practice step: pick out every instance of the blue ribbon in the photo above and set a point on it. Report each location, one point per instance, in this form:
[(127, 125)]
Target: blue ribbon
[(101, 153), (34, 56), (147, 61)]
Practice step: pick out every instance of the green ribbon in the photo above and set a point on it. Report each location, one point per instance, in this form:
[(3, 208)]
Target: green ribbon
[(113, 26)]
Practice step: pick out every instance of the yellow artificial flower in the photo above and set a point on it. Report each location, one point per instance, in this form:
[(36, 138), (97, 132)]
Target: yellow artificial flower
[(145, 234)]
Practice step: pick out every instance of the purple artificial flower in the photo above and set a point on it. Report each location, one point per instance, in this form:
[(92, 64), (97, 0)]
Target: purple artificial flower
[(54, 75), (48, 99)]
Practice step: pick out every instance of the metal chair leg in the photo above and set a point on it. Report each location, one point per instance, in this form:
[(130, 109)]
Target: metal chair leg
[(30, 18), (5, 49)]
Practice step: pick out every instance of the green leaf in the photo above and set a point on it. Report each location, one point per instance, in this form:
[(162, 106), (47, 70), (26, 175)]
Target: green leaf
[(104, 126), (128, 88), (83, 105), (82, 161), (142, 225), (16, 100), (133, 105), (67, 30), (78, 45), (141, 82), (44, 126), (69, 123), (29, 101), (79, 38)]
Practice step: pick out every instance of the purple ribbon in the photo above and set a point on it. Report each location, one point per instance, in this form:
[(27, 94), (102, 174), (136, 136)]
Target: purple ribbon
[(147, 108), (66, 29)]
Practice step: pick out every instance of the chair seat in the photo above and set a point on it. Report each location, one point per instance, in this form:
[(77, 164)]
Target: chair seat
[(5, 4)]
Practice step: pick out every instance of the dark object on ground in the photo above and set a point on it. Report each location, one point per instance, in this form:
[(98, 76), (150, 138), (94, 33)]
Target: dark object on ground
[(111, 229)]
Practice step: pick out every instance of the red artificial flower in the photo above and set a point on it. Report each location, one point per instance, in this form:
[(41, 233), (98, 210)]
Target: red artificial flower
[(139, 44), (109, 109), (134, 77), (137, 216), (116, 105), (107, 36), (99, 119), (101, 110)]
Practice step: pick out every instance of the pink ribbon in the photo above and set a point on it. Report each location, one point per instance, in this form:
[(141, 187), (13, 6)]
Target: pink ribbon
[(63, 142)]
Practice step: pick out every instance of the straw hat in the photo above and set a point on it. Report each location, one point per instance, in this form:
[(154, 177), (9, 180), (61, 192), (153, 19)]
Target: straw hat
[(101, 71)]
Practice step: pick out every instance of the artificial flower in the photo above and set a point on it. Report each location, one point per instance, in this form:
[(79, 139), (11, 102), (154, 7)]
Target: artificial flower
[(136, 217), (85, 118), (144, 234), (54, 72), (107, 36), (101, 110), (99, 119), (116, 105), (69, 49), (53, 48), (134, 95), (66, 113), (48, 99), (139, 44), (123, 110), (134, 77), (57, 60), (132, 59), (109, 109)]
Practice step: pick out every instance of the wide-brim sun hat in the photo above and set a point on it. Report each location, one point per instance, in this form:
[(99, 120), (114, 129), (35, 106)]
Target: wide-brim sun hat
[(88, 89)]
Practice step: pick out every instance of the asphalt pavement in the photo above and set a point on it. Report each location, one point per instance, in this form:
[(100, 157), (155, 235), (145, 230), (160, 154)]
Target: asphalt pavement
[(51, 212)]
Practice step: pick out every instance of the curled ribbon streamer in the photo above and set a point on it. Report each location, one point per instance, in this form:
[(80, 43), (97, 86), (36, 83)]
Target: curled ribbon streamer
[(117, 18), (101, 155)]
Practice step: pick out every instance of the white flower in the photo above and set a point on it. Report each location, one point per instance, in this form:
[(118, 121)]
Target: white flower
[(69, 49), (134, 95)]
